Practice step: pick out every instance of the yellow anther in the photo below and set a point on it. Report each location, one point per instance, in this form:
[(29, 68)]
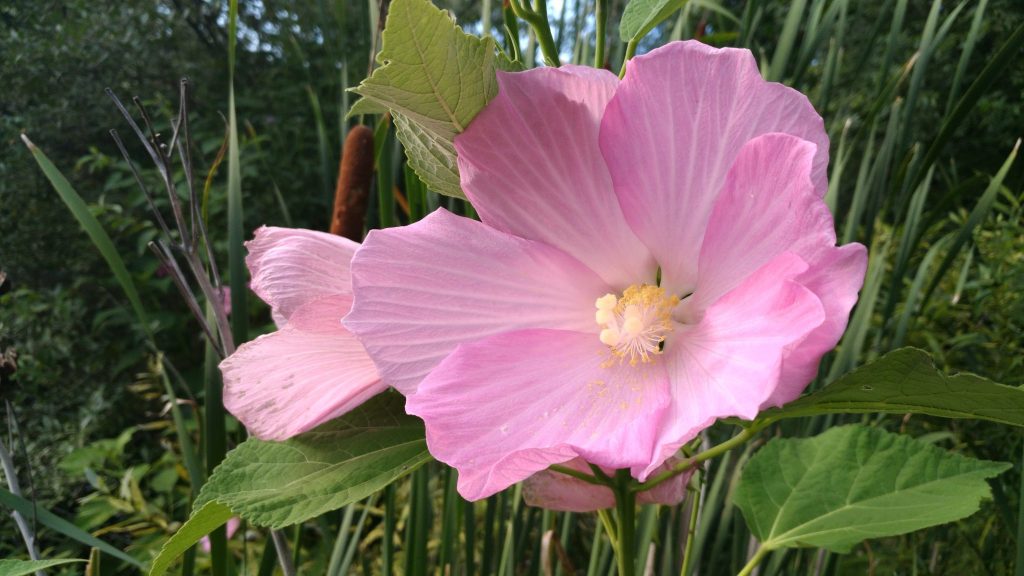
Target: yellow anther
[(635, 325), (606, 302), (609, 337)]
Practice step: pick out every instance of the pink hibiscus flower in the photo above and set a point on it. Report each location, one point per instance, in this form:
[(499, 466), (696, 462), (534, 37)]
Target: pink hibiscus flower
[(654, 254), (311, 369)]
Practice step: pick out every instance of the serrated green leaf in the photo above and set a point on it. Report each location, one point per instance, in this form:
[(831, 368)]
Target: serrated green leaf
[(906, 381), (437, 77), (641, 16), (24, 567), (432, 158), (278, 484), (204, 520), (853, 483), (366, 106)]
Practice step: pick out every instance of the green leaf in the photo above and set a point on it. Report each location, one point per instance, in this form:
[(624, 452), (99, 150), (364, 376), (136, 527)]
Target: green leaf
[(203, 520), (853, 483), (641, 16), (906, 380), (437, 77), (60, 525), (80, 210), (432, 158), (366, 106), (277, 484), (25, 567)]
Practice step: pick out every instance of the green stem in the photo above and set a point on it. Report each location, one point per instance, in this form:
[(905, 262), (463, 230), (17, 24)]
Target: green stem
[(544, 37), (630, 52), (601, 15), (691, 532), (708, 454), (577, 474), (511, 33), (537, 18), (758, 556), (625, 504)]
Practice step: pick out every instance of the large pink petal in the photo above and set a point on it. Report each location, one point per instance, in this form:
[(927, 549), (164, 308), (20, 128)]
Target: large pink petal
[(421, 290), (768, 206), (512, 405), (291, 267), (836, 278), (673, 130), (311, 371), (531, 166), (557, 491), (729, 363)]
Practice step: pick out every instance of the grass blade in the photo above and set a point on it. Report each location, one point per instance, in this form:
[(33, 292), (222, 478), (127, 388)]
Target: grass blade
[(62, 526), (80, 210), (980, 211)]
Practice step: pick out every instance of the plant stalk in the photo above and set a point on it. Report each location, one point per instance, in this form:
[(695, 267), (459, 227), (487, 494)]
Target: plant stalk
[(625, 505)]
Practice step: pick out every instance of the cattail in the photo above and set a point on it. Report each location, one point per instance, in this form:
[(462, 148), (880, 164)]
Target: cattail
[(354, 177)]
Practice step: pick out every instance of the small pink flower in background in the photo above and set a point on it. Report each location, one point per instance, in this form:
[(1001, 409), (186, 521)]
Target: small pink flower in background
[(311, 369), (558, 491), (654, 254), (232, 526), (225, 298)]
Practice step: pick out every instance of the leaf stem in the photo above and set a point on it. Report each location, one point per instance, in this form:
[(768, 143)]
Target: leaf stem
[(754, 561), (589, 479), (708, 454), (630, 52)]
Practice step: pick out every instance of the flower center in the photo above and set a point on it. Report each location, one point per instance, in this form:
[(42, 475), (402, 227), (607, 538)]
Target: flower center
[(635, 324)]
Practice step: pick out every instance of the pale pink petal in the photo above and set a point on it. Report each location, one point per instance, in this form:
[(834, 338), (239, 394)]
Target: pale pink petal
[(768, 206), (292, 266), (835, 278), (673, 130), (232, 526), (504, 408), (530, 164), (557, 491), (311, 371), (425, 288), (729, 363)]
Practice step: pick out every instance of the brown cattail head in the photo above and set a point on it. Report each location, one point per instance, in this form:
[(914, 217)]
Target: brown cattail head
[(354, 178)]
